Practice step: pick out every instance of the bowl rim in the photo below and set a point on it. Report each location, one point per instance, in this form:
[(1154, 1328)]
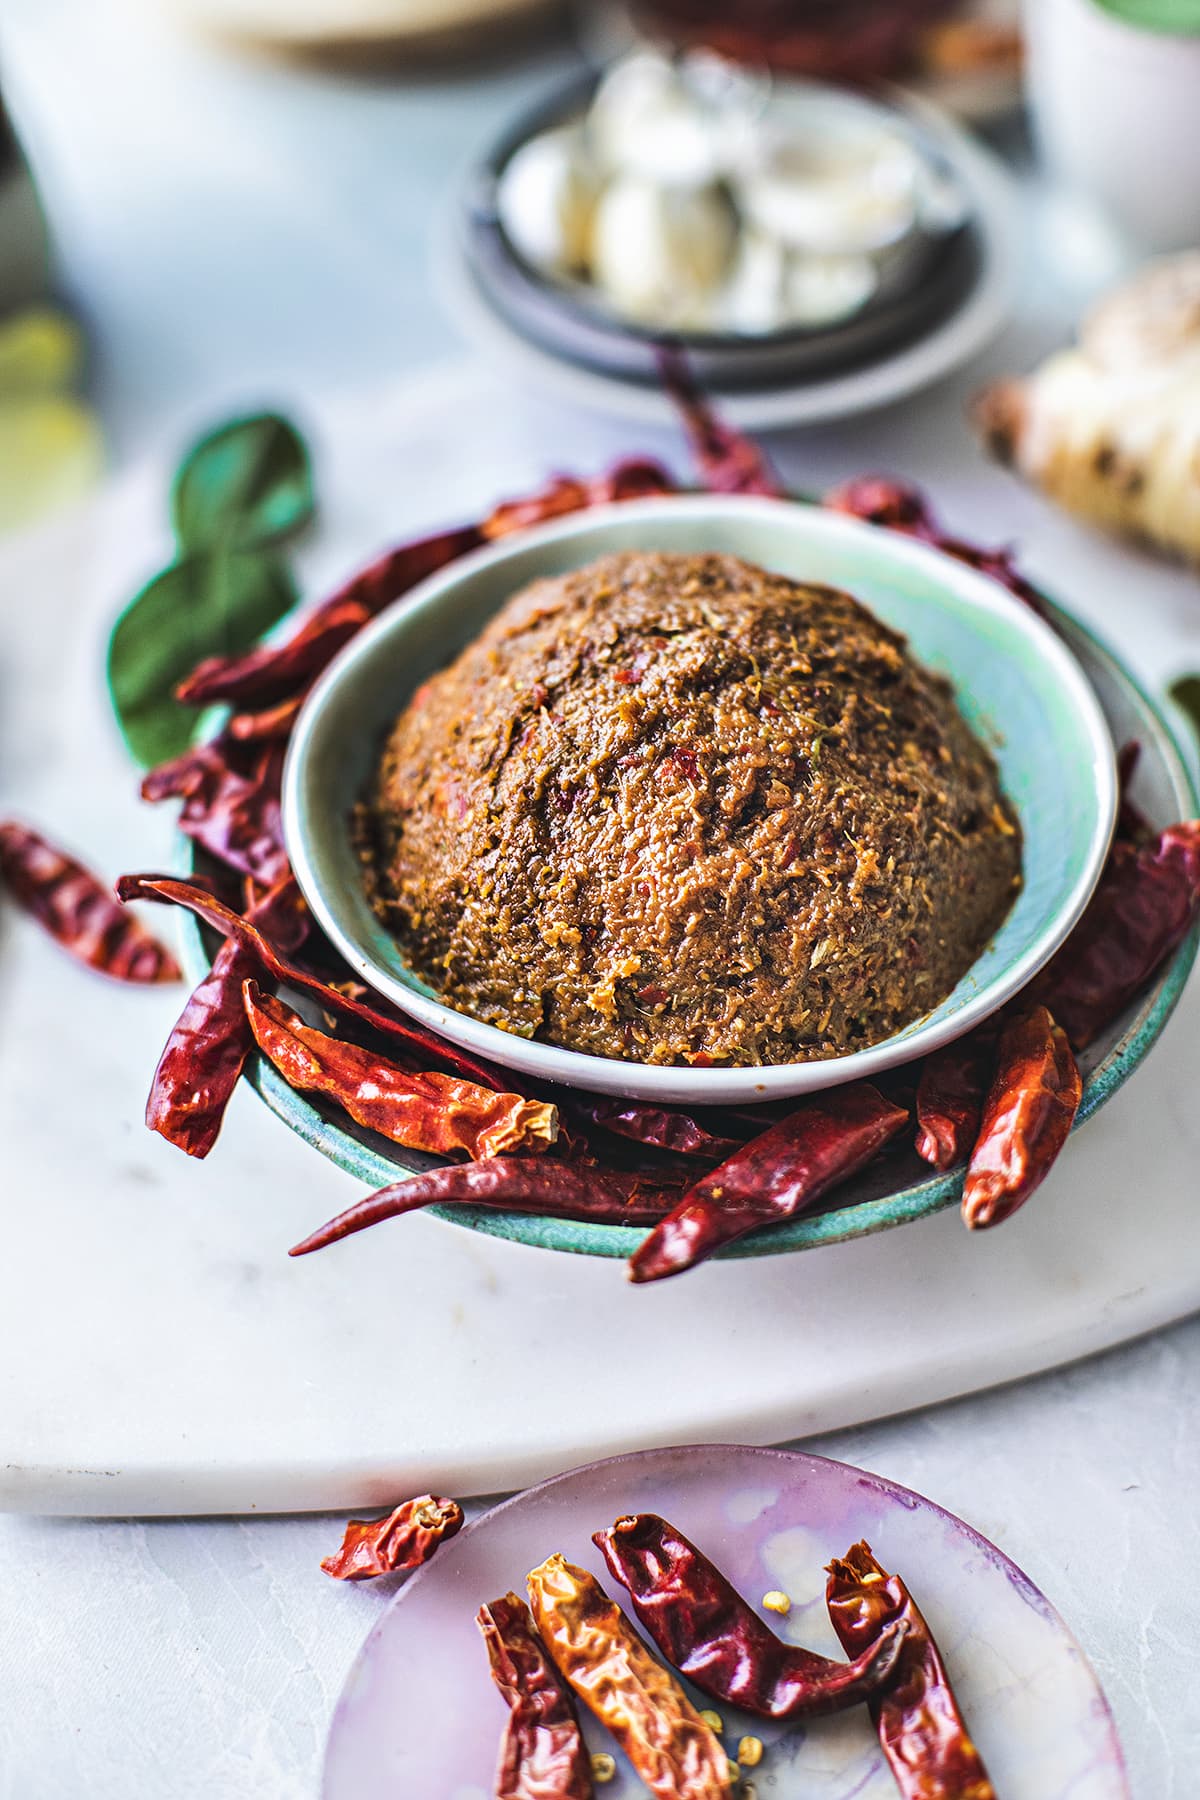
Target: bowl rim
[(671, 1084)]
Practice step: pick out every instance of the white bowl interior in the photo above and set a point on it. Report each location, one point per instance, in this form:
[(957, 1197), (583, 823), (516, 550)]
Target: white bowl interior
[(1016, 683)]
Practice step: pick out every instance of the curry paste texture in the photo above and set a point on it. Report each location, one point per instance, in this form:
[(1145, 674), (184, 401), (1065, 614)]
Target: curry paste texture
[(679, 810)]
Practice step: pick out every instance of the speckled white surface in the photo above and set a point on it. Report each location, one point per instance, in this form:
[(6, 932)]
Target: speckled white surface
[(173, 1660)]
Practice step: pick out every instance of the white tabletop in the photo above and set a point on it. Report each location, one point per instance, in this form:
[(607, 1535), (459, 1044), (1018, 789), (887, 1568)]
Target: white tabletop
[(241, 229)]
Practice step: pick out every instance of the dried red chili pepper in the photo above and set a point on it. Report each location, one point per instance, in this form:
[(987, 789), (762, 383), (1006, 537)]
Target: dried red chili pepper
[(950, 1096), (423, 1110), (903, 508), (660, 1128), (632, 479), (272, 672), (671, 1748), (542, 1753), (1030, 1108), (77, 910), (704, 1627), (921, 1729), (729, 462), (281, 968), (207, 1049), (1147, 899), (233, 814), (404, 1539), (523, 1184), (773, 1177)]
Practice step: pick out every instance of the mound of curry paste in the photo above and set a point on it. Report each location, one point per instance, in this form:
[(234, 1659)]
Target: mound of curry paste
[(679, 810)]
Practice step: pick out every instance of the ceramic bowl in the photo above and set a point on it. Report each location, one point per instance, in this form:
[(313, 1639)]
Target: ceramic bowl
[(1018, 685), (921, 285), (897, 1189)]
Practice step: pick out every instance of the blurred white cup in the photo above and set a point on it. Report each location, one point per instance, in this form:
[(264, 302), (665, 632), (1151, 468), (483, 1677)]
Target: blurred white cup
[(1116, 109)]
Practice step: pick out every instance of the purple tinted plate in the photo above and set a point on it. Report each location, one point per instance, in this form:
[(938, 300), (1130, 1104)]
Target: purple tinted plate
[(419, 1715)]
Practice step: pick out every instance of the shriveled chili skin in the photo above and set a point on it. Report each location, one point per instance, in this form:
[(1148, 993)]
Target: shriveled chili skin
[(950, 1094), (421, 1109), (404, 1539), (1147, 899), (631, 479), (78, 911), (410, 1038), (524, 1184), (773, 1177), (542, 1753), (921, 1729), (1031, 1106), (704, 1627), (659, 1127), (598, 1652), (207, 1049), (235, 815)]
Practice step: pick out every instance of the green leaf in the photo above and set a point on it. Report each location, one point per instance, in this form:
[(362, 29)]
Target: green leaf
[(248, 482), (1186, 694), (214, 603)]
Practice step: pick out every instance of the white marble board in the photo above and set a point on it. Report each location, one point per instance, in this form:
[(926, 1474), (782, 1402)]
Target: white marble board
[(158, 1351)]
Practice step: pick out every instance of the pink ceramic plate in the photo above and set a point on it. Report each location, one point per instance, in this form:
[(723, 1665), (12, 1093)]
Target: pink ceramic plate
[(419, 1716)]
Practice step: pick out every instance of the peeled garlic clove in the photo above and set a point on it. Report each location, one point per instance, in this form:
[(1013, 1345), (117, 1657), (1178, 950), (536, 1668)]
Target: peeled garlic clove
[(546, 199), (645, 121), (754, 301), (831, 195), (660, 253), (823, 290)]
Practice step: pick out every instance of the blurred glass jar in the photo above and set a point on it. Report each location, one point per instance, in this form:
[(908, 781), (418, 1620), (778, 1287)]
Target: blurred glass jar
[(1114, 90)]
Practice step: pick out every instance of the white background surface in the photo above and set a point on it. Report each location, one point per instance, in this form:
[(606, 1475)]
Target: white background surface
[(244, 230)]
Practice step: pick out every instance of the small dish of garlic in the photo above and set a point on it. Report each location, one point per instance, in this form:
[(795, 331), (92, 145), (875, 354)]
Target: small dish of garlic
[(692, 198)]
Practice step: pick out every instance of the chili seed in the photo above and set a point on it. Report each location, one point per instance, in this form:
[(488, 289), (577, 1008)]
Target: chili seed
[(750, 1751), (777, 1602), (604, 1766), (713, 1720)]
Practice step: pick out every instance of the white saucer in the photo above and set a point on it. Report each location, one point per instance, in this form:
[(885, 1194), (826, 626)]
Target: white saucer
[(951, 343)]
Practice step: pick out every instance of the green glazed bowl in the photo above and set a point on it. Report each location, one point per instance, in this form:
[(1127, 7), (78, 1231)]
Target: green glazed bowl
[(1017, 684), (898, 1188)]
